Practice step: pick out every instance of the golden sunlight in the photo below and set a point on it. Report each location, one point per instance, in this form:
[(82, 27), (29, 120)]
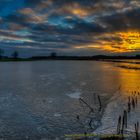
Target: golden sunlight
[(118, 42), (130, 40)]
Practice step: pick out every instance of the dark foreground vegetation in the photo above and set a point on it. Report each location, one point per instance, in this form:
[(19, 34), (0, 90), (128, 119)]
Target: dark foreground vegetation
[(122, 132)]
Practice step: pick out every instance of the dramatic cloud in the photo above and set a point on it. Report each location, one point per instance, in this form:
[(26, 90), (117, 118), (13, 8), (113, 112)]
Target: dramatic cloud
[(86, 27)]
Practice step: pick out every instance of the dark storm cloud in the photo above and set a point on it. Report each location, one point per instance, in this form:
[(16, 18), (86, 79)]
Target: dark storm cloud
[(77, 27), (65, 24), (121, 21), (32, 2)]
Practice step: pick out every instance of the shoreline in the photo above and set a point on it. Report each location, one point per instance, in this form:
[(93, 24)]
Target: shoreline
[(134, 60)]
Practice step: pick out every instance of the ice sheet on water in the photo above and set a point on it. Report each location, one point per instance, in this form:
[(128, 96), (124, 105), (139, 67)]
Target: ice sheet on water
[(83, 83), (15, 116), (57, 115), (75, 95), (113, 110)]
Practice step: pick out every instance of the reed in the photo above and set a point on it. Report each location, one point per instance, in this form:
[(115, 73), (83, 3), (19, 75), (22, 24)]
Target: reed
[(137, 130), (100, 104), (91, 109), (129, 104), (125, 118), (119, 125), (90, 123)]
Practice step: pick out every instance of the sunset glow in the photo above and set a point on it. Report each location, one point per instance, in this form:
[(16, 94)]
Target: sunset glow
[(72, 27), (125, 42), (69, 69), (130, 40)]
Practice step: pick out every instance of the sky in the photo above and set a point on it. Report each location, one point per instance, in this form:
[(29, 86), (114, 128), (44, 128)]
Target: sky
[(70, 27)]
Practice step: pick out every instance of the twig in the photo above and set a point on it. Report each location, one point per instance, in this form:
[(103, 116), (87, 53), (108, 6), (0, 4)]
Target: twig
[(91, 109)]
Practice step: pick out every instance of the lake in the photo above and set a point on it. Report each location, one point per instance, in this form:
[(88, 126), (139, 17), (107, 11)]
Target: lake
[(40, 99)]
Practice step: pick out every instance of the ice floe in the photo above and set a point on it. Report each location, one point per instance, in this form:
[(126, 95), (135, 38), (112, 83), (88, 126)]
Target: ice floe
[(75, 95)]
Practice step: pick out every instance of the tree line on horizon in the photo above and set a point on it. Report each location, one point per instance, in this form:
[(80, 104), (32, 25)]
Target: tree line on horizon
[(54, 55), (14, 54)]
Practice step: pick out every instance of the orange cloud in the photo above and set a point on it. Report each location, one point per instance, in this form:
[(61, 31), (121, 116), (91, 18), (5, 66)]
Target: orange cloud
[(128, 42), (32, 15)]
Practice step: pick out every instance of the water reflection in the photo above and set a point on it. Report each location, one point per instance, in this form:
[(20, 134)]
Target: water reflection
[(46, 89), (129, 80)]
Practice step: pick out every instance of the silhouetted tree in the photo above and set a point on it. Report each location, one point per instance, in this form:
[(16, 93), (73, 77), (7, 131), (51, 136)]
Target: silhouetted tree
[(15, 54), (1, 53), (53, 54)]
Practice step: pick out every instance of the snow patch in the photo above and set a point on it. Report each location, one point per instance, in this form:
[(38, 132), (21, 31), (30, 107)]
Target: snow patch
[(110, 118), (75, 95), (57, 115)]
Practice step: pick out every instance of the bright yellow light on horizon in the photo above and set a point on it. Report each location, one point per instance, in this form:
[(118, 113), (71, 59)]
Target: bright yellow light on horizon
[(128, 42)]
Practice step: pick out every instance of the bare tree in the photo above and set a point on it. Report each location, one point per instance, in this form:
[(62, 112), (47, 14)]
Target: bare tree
[(15, 54), (1, 53)]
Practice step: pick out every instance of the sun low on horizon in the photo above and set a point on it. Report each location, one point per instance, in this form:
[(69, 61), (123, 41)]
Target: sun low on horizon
[(75, 27), (129, 41), (120, 42)]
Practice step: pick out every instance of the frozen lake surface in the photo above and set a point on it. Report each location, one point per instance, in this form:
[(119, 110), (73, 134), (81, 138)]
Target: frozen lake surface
[(40, 99)]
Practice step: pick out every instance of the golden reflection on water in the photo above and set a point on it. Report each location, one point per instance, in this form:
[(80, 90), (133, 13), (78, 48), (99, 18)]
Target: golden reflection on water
[(129, 80)]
